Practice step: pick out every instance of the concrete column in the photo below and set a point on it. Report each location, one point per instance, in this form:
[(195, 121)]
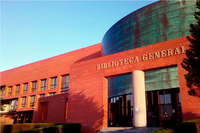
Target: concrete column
[(139, 102)]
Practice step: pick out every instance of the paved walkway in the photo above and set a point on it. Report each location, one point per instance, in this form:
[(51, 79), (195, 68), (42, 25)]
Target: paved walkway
[(128, 129)]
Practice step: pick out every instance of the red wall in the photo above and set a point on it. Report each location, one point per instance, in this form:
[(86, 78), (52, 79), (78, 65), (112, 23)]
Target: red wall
[(88, 86), (55, 111), (47, 68)]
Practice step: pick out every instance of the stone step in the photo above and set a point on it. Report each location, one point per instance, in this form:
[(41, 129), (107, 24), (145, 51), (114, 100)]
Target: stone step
[(115, 128), (128, 129)]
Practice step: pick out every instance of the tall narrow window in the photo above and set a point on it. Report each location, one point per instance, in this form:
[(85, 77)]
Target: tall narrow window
[(25, 89), (13, 105), (17, 89), (43, 84), (32, 101), (2, 92), (53, 82), (34, 86), (65, 84), (23, 102), (9, 90)]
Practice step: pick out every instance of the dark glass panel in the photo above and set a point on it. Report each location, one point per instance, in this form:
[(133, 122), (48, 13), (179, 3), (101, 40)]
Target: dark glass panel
[(155, 97), (179, 98), (149, 101), (120, 111), (161, 97), (168, 110)]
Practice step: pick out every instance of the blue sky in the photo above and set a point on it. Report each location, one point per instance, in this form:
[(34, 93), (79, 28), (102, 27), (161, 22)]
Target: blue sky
[(36, 30)]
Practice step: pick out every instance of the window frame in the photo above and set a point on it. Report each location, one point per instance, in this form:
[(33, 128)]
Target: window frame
[(13, 105), (9, 90), (53, 83), (65, 83), (25, 88), (43, 85), (32, 100), (17, 89), (2, 92), (23, 102), (34, 86)]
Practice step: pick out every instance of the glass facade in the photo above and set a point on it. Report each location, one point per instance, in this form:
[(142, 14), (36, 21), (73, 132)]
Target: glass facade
[(119, 85), (161, 79), (157, 22)]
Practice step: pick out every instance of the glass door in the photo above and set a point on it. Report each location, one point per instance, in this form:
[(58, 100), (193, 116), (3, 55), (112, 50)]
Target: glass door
[(163, 107), (120, 111)]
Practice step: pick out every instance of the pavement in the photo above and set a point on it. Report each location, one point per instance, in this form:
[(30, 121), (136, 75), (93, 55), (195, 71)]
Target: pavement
[(128, 129)]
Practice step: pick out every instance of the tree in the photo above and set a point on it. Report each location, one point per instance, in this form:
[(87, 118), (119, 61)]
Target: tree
[(192, 61)]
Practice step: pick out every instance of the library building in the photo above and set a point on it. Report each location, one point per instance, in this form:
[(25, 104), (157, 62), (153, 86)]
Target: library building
[(132, 78)]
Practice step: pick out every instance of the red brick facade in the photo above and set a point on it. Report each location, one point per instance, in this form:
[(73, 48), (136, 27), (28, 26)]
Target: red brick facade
[(87, 99)]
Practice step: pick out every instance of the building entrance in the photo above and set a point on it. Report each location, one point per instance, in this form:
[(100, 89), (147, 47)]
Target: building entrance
[(163, 104), (120, 111), (163, 108)]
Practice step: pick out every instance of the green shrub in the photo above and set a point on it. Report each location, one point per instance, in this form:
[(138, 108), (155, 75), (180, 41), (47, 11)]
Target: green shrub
[(15, 128), (44, 128), (164, 130), (191, 126), (54, 129), (37, 130)]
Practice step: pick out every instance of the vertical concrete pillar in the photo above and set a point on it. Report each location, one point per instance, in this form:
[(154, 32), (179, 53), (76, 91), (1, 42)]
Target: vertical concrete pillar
[(139, 102)]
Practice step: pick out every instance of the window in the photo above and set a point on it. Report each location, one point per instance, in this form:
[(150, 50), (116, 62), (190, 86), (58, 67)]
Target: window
[(65, 84), (2, 91), (13, 105), (9, 90), (34, 86), (17, 89), (32, 101), (43, 84), (41, 95), (53, 93), (25, 88), (23, 102), (53, 82)]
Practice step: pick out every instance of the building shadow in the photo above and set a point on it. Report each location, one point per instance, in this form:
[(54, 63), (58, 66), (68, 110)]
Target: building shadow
[(91, 56), (190, 116), (85, 110)]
